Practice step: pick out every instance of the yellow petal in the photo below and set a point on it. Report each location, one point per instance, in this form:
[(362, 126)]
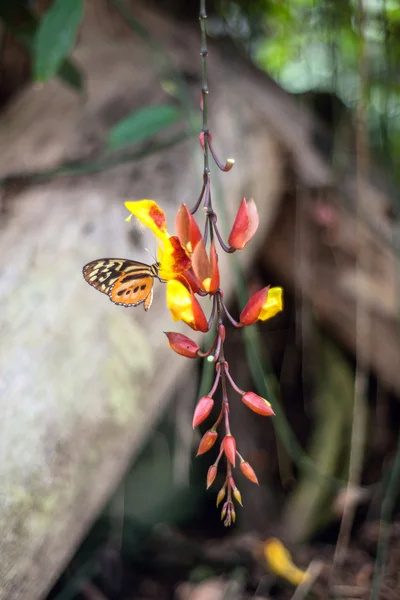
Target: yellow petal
[(280, 562), (151, 215), (206, 283), (179, 302), (173, 258), (273, 304)]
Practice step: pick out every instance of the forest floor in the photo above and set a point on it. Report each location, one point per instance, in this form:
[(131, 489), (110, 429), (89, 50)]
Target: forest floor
[(172, 565)]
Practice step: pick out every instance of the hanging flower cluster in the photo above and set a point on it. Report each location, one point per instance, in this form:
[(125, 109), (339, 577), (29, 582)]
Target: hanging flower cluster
[(188, 263), (189, 266)]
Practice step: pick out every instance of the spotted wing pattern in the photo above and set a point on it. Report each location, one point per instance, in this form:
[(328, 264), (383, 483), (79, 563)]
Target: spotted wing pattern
[(126, 282)]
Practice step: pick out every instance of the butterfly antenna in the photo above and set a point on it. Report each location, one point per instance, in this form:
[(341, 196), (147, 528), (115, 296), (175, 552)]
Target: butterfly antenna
[(151, 254)]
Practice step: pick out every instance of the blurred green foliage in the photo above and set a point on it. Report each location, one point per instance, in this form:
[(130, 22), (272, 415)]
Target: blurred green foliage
[(315, 46), (142, 124), (307, 46), (55, 37)]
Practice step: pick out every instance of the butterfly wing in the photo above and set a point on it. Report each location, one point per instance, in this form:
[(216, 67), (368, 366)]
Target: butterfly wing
[(132, 289), (126, 282)]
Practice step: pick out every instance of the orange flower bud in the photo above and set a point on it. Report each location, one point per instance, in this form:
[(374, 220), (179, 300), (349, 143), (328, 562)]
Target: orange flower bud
[(202, 410), (187, 229), (245, 225), (205, 268), (248, 471), (252, 310), (200, 262), (182, 345), (207, 442), (211, 475), (257, 404), (214, 283), (233, 514), (221, 495), (237, 495), (229, 445)]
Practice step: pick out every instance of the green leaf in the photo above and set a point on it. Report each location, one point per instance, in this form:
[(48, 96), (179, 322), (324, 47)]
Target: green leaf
[(55, 37), (71, 75), (23, 24), (142, 125)]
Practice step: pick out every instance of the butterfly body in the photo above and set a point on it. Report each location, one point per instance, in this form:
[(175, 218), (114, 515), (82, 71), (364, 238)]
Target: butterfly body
[(126, 282)]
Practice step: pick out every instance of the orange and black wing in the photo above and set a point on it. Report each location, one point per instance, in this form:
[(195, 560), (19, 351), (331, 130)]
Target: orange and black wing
[(126, 282)]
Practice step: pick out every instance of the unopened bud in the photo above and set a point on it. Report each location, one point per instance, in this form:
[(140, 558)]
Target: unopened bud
[(182, 345), (229, 445), (245, 225), (202, 410), (223, 511), (207, 442), (248, 471), (211, 475), (237, 495), (258, 404), (221, 495)]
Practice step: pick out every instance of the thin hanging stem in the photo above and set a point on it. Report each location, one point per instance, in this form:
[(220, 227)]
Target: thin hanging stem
[(204, 82)]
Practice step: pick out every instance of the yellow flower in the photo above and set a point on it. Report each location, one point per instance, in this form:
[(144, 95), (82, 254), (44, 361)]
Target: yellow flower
[(280, 562), (263, 305), (273, 304), (172, 257), (184, 306)]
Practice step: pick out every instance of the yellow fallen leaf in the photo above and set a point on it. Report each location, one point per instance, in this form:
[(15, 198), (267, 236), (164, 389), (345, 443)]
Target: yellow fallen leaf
[(280, 562)]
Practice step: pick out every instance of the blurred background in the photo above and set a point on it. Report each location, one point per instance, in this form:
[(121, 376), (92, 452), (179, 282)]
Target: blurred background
[(101, 496)]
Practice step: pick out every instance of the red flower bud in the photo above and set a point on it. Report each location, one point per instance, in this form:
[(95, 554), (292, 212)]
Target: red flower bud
[(207, 442), (182, 345), (202, 410), (252, 310), (245, 225), (229, 445), (211, 475), (257, 404), (248, 471)]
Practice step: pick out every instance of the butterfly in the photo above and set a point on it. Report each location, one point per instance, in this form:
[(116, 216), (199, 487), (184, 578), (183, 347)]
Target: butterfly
[(126, 282)]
